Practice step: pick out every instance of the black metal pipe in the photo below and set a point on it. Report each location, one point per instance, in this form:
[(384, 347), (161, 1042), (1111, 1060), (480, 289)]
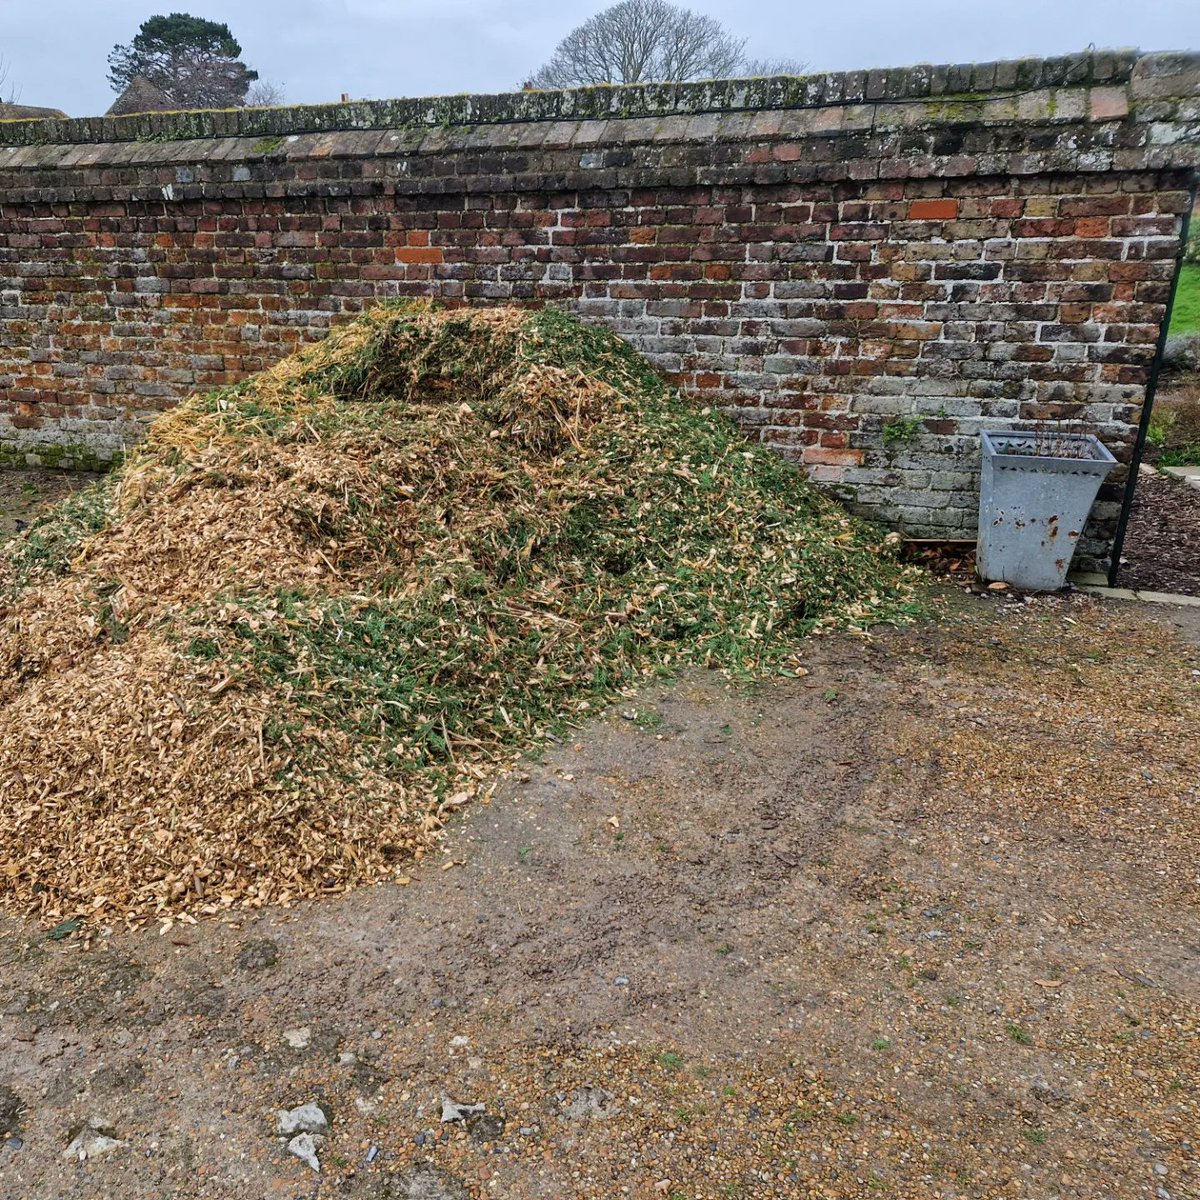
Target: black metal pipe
[(1151, 390)]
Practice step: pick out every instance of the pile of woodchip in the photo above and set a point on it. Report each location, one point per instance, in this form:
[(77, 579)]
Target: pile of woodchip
[(308, 617)]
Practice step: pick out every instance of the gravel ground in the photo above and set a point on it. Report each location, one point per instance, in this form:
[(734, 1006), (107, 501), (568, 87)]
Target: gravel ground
[(1162, 549), (921, 923)]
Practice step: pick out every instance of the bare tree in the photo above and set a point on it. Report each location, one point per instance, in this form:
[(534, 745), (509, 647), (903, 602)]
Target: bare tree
[(641, 41), (265, 95), (753, 68), (13, 96)]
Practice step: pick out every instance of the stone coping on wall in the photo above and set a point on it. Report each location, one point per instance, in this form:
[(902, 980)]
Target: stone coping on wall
[(1155, 90), (1087, 122)]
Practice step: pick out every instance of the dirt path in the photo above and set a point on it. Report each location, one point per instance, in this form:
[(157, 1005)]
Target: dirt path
[(922, 923)]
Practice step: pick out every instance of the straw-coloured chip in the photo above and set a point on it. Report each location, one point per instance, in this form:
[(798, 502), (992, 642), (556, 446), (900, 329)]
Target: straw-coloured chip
[(267, 657)]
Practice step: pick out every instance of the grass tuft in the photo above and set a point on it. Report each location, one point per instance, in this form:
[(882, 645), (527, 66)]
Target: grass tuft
[(1185, 315)]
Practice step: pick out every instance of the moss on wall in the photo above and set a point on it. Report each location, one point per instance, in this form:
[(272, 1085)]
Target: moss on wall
[(53, 456), (963, 83)]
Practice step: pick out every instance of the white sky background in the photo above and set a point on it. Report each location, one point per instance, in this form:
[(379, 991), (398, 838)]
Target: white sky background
[(317, 49)]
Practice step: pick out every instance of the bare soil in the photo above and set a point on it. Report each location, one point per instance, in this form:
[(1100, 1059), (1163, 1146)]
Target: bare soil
[(23, 494), (921, 923)]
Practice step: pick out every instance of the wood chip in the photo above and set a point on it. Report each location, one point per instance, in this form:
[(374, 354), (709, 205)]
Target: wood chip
[(247, 668)]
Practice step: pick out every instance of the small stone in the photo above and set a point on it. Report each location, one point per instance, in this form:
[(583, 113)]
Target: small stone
[(94, 1140), (14, 1143), (299, 1038), (460, 1041), (308, 1118), (1161, 1169), (452, 1111), (621, 981), (305, 1146), (526, 1131), (376, 1034)]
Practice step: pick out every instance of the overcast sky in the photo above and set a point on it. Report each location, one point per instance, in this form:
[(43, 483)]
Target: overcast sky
[(317, 49)]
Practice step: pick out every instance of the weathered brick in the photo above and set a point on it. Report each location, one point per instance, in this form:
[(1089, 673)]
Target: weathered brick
[(804, 269), (933, 210)]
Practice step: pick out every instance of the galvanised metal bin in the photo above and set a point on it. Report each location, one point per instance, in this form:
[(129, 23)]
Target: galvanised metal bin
[(1033, 505)]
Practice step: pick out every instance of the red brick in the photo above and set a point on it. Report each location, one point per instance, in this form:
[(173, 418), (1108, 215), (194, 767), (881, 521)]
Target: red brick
[(825, 457), (933, 210), (419, 254)]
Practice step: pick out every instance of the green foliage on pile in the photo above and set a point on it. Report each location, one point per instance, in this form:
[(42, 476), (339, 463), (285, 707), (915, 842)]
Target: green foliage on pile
[(50, 543), (661, 539), (520, 520)]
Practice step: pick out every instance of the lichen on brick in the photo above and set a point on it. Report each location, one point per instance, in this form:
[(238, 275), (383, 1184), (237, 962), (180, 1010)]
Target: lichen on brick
[(819, 263)]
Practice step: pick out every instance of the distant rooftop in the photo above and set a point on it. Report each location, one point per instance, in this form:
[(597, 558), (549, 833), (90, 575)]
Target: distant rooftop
[(29, 112), (141, 96)]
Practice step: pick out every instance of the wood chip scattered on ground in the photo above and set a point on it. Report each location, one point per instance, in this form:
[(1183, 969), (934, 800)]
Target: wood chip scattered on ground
[(808, 939)]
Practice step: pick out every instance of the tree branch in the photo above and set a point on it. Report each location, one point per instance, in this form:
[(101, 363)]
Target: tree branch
[(642, 41)]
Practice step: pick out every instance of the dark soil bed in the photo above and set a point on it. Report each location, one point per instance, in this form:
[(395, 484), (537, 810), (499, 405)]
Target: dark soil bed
[(1162, 550), (25, 493)]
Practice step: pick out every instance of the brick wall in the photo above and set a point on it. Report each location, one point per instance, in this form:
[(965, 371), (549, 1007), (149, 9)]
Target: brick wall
[(866, 269)]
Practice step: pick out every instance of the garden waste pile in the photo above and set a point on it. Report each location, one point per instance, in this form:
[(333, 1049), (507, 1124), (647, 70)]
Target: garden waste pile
[(314, 612)]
